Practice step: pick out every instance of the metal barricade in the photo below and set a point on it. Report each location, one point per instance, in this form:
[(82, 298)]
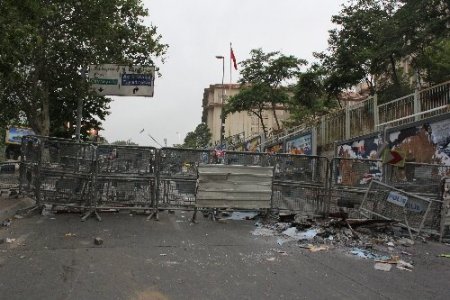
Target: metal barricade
[(349, 180), (387, 202), (177, 176), (57, 171), (300, 183), (9, 178), (418, 178), (124, 177)]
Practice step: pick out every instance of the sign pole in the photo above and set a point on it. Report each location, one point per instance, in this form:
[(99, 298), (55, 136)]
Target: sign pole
[(80, 109)]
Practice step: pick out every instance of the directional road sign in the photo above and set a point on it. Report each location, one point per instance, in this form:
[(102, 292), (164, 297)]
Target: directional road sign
[(116, 80)]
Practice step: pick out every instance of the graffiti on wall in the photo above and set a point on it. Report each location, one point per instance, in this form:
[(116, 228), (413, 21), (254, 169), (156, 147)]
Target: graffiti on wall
[(300, 145)]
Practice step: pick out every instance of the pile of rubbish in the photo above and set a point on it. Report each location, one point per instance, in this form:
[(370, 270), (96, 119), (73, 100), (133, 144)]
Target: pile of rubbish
[(382, 241)]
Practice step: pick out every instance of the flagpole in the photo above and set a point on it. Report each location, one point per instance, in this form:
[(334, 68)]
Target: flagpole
[(231, 78)]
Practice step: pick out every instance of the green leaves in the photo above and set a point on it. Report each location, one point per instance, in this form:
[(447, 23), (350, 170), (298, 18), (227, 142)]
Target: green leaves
[(199, 138), (46, 45), (265, 77)]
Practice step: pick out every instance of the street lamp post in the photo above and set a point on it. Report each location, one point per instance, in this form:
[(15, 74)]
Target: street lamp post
[(222, 119)]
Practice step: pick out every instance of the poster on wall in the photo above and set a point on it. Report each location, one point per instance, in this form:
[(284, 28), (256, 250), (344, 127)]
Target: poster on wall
[(253, 145), (278, 148), (14, 134), (300, 145), (427, 143), (366, 148)]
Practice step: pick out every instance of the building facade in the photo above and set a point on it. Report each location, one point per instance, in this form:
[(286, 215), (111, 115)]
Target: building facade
[(241, 125)]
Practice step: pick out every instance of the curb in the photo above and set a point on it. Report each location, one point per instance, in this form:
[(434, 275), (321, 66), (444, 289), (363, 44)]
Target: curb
[(9, 207)]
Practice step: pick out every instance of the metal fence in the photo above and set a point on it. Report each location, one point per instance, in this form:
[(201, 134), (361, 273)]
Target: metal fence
[(95, 177), (124, 176), (386, 202), (9, 178), (349, 179), (177, 175), (419, 178), (57, 171)]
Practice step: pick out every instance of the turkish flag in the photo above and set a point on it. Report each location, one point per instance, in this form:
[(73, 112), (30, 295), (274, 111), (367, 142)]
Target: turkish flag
[(233, 58)]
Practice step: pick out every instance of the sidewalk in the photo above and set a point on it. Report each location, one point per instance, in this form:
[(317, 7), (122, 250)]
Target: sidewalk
[(10, 205)]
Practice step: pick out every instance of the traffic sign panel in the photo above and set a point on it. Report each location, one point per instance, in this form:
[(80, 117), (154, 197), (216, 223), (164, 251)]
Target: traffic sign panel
[(117, 80)]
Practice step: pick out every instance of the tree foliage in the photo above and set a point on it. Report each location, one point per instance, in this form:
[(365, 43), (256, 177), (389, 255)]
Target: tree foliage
[(199, 138), (264, 82), (310, 99), (374, 36), (45, 47)]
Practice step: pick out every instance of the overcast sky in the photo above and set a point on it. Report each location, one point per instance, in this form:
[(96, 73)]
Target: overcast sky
[(197, 31)]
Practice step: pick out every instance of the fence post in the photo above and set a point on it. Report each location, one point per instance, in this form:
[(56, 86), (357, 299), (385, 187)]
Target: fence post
[(417, 105), (322, 130), (314, 140), (376, 113), (347, 123)]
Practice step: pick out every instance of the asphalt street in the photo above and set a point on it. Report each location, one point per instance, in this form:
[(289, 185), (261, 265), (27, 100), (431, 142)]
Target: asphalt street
[(54, 257)]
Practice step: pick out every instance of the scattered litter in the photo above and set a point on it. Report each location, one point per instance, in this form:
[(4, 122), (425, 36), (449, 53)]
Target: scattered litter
[(282, 252), (403, 265), (10, 241), (22, 256), (318, 248), (18, 217), (444, 255), (242, 215), (313, 248), (300, 235), (262, 231), (390, 244), (162, 254), (383, 267), (405, 242), (270, 259), (70, 234), (406, 253), (98, 241), (6, 223), (367, 254)]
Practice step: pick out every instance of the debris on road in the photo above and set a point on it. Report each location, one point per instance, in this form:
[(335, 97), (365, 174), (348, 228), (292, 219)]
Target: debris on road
[(446, 255), (10, 241), (70, 234), (383, 267), (98, 241), (6, 223)]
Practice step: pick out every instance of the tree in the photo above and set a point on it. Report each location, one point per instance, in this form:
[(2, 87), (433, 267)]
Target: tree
[(199, 138), (310, 98), (264, 81), (374, 36), (45, 47)]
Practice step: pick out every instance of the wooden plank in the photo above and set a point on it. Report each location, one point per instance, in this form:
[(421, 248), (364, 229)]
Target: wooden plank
[(243, 196), (233, 204), (232, 186), (224, 169)]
